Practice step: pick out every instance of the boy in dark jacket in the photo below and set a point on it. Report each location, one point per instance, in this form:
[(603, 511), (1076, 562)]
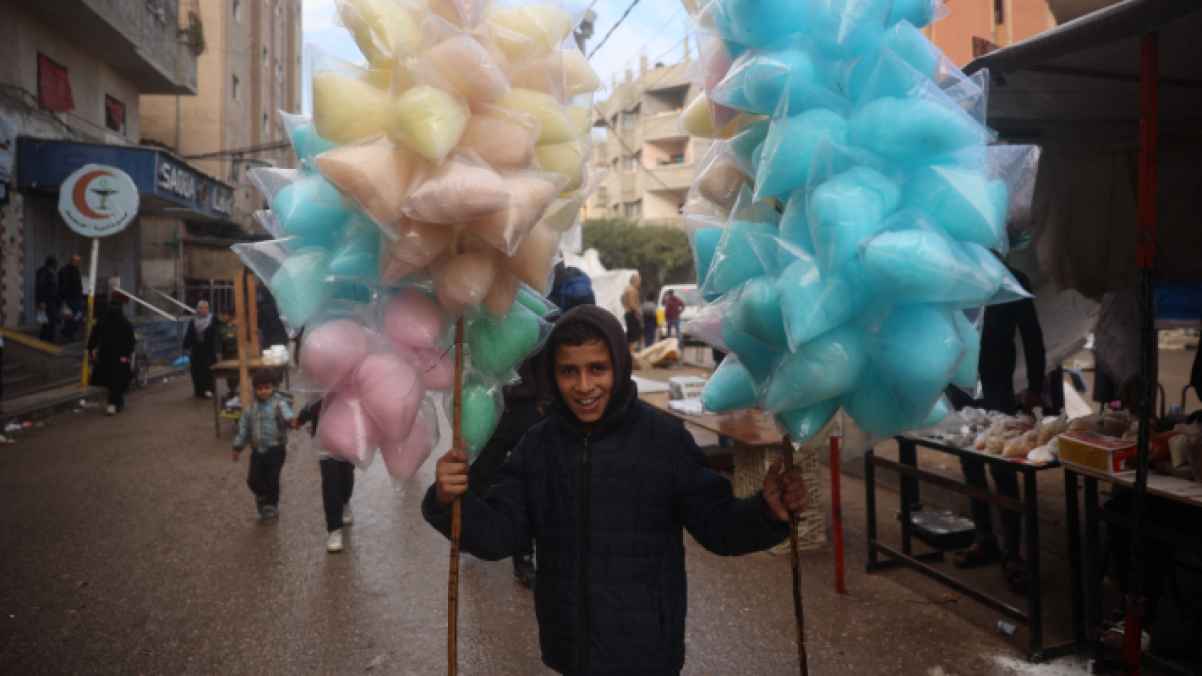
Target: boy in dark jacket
[(604, 486)]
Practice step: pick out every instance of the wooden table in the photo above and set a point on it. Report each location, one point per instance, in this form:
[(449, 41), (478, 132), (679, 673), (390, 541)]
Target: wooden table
[(1027, 505), (1085, 546), (230, 367)]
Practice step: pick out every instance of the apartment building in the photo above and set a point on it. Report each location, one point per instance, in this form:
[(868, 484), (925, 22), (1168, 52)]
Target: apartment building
[(976, 27)]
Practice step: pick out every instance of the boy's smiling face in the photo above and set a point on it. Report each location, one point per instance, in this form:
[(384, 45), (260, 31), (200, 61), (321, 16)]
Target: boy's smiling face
[(585, 377), (264, 391)]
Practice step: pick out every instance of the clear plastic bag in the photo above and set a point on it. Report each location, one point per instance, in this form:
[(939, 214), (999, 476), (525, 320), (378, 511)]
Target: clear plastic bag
[(803, 424), (335, 84), (530, 195), (504, 139), (827, 367), (497, 347), (526, 32), (384, 30), (415, 246), (787, 77), (482, 407), (306, 142), (789, 149), (404, 458), (297, 279), (554, 122), (345, 430), (730, 388), (428, 120), (377, 175), (458, 191), (458, 63)]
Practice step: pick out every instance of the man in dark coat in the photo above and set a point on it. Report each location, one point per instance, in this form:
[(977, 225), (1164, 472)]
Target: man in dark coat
[(605, 486), (45, 295), (203, 343), (70, 292), (111, 347)]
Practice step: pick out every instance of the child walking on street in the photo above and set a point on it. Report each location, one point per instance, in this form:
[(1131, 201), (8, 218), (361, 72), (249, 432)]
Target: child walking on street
[(264, 425), (337, 482)]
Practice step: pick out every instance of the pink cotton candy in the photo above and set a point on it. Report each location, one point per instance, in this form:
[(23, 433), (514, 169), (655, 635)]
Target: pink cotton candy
[(413, 320), (529, 196), (465, 280), (535, 258), (459, 190), (330, 352), (391, 393), (405, 458), (469, 69), (436, 368), (501, 138), (345, 430)]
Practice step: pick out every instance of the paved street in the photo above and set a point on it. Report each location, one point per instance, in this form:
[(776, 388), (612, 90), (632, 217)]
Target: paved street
[(130, 547)]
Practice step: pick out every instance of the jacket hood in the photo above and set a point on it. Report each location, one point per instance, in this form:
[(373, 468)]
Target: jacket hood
[(624, 390)]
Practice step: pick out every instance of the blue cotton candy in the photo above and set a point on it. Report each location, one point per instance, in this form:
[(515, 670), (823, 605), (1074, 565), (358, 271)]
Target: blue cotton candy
[(730, 388), (299, 286), (758, 357), (913, 130), (308, 144), (789, 75), (825, 368), (802, 424), (757, 311), (939, 411), (845, 28), (917, 349), (812, 304), (906, 61), (965, 376), (964, 202), (874, 407), (795, 230), (746, 146), (847, 210), (741, 256), (918, 12), (705, 243), (757, 23), (926, 266), (311, 209), (789, 150)]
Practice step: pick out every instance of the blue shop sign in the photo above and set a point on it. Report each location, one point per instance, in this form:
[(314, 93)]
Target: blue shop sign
[(45, 164)]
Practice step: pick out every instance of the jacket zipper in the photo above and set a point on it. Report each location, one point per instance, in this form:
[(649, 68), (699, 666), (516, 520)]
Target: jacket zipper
[(582, 551)]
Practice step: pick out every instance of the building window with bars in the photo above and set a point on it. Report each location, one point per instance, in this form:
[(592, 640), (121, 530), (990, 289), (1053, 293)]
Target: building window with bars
[(114, 114), (234, 86), (999, 12), (633, 211), (54, 85)]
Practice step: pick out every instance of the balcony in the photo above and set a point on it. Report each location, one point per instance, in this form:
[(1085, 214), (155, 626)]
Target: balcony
[(144, 41), (671, 177), (662, 127)]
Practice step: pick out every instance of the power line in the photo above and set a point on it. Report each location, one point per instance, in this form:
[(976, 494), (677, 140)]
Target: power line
[(613, 28), (250, 150)]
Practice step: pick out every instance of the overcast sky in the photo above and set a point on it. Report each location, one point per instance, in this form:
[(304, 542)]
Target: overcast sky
[(656, 28)]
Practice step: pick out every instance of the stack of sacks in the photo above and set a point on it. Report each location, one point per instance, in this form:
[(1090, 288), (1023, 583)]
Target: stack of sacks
[(435, 181), (849, 222)]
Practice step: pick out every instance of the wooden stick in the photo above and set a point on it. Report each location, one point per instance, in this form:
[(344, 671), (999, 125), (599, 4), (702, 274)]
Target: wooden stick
[(798, 601), (456, 507), (837, 513), (252, 316), (244, 389)]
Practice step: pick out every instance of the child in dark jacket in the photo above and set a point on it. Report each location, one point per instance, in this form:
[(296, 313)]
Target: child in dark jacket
[(337, 482), (264, 426), (605, 486)]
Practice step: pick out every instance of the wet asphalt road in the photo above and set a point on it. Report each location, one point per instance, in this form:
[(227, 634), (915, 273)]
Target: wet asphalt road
[(129, 545)]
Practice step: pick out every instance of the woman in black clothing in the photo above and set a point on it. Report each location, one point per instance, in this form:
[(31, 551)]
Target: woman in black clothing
[(111, 348), (203, 343)]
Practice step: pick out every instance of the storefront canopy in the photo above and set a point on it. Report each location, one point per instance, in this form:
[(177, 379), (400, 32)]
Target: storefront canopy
[(1075, 91), (167, 184)]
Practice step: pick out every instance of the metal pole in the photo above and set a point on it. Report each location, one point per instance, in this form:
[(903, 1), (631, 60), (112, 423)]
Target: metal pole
[(837, 513), (87, 334), (795, 561), (1146, 259)]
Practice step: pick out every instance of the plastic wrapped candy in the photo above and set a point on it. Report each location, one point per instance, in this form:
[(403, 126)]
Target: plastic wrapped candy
[(564, 73), (464, 13), (747, 145), (312, 210), (429, 121), (466, 68), (786, 78), (530, 193), (964, 202), (966, 374), (498, 347), (378, 176), (503, 139), (757, 311), (306, 142), (456, 192), (298, 279), (358, 256), (757, 356), (812, 303), (413, 321), (795, 228), (482, 406), (925, 266), (502, 294), (529, 31), (372, 113), (846, 28), (346, 431), (740, 255), (705, 242), (803, 424), (332, 351), (825, 368), (436, 369), (756, 23), (534, 260), (916, 351), (383, 29), (464, 280), (391, 393), (404, 458), (913, 130), (731, 387), (906, 60), (721, 179), (565, 159), (920, 13), (848, 209), (789, 149), (553, 121)]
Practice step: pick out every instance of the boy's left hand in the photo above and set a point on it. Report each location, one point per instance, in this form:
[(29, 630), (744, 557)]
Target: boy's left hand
[(785, 492)]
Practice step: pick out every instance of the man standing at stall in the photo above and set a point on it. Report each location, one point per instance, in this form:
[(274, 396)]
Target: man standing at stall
[(70, 291), (605, 486), (999, 357), (45, 295)]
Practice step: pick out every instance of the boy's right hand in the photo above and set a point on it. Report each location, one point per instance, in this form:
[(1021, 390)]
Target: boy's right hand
[(450, 477)]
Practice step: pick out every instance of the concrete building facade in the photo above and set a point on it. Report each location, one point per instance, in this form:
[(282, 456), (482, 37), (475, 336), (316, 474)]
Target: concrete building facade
[(251, 68), (71, 74), (974, 27)]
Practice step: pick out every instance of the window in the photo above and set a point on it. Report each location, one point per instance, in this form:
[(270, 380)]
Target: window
[(629, 119), (114, 114), (264, 57), (999, 12), (54, 85), (265, 129), (234, 81), (633, 211), (237, 10), (628, 163)]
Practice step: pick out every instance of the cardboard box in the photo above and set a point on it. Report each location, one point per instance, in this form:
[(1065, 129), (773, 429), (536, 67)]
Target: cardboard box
[(685, 387), (1097, 451)]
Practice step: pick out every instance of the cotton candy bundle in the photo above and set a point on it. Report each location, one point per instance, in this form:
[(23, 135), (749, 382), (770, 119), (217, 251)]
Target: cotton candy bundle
[(436, 179), (850, 221)]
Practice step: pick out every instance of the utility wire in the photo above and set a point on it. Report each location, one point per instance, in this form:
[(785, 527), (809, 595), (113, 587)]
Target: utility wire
[(250, 150), (613, 28)]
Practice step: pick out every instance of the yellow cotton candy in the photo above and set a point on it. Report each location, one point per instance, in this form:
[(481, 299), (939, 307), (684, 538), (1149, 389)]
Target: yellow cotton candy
[(383, 29), (580, 118), (565, 159), (346, 108), (564, 73), (528, 32), (554, 124), (429, 121), (738, 124), (698, 118)]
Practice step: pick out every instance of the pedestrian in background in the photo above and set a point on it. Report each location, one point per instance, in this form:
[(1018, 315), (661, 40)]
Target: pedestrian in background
[(264, 427), (3, 438), (45, 296), (111, 350), (673, 309), (70, 291), (337, 481), (202, 342), (632, 309), (649, 323)]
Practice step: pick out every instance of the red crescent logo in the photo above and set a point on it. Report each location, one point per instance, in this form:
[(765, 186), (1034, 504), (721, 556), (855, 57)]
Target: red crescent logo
[(79, 195)]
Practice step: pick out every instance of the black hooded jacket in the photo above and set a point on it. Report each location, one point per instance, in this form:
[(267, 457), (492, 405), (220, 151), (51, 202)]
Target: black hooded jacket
[(606, 507)]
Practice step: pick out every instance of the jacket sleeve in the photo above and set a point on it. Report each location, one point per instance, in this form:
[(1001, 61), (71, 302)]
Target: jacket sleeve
[(495, 526), (1033, 348), (94, 339), (705, 502), (243, 430)]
